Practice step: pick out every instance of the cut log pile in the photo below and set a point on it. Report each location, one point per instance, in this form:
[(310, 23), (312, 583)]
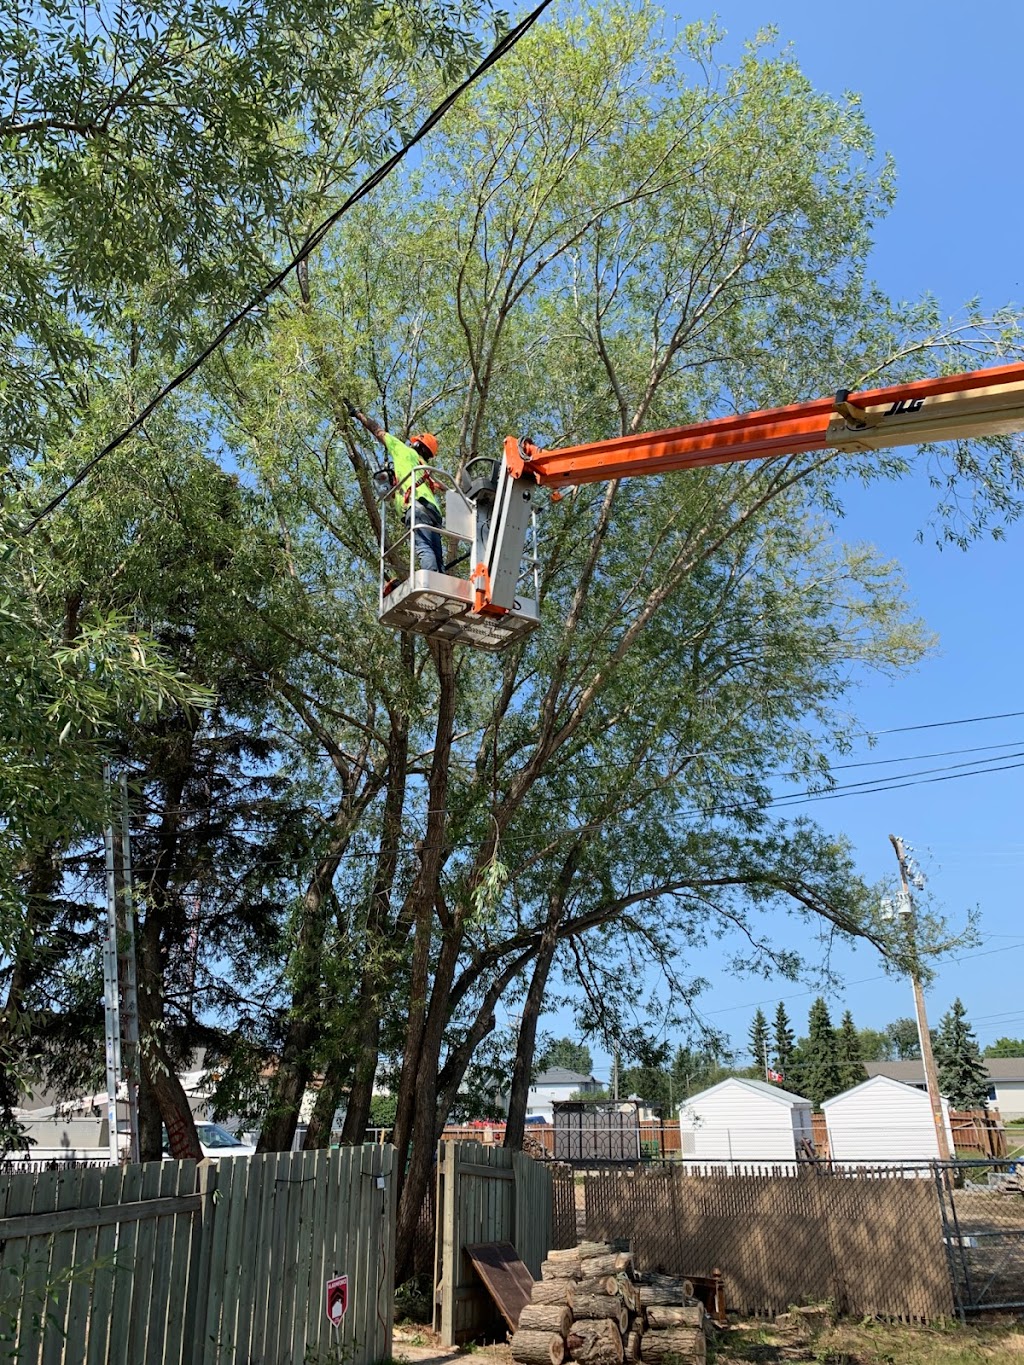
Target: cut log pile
[(592, 1306)]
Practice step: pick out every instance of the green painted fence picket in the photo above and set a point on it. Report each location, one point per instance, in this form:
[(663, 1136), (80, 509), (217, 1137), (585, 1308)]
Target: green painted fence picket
[(221, 1264)]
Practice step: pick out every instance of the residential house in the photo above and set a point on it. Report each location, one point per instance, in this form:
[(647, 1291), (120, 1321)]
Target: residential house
[(557, 1083), (1005, 1074)]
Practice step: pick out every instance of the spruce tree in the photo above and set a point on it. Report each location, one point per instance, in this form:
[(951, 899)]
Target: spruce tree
[(783, 1041), (817, 1063), (851, 1057), (759, 1041), (963, 1076)]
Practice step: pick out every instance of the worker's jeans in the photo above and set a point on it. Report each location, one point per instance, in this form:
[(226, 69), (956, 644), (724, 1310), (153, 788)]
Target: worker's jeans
[(429, 548)]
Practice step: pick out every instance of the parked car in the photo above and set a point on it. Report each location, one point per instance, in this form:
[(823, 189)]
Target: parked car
[(216, 1142)]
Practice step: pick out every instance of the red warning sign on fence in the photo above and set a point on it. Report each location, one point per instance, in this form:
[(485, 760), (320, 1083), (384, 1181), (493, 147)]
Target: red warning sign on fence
[(337, 1299)]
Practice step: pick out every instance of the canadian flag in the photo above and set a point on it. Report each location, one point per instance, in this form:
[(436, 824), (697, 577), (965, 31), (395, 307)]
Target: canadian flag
[(774, 1075)]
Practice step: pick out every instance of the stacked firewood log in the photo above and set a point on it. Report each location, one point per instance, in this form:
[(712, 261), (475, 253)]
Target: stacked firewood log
[(592, 1306)]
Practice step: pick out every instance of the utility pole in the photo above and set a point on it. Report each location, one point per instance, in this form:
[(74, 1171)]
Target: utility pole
[(120, 987), (128, 978), (615, 1072), (111, 993), (931, 1075)]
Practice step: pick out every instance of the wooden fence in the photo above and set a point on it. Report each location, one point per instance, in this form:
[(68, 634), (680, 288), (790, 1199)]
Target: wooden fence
[(170, 1264), (658, 1138), (484, 1194), (978, 1131), (870, 1241)]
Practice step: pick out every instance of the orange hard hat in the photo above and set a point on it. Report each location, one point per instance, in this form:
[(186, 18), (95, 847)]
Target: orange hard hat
[(427, 440)]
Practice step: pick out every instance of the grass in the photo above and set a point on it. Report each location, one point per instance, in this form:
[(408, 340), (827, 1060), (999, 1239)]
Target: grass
[(876, 1343)]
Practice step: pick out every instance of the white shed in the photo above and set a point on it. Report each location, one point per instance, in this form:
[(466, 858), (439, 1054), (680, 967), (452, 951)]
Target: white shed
[(744, 1121), (882, 1121)]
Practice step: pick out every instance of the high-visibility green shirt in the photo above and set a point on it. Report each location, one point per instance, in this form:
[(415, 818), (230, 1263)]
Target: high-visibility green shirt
[(404, 460)]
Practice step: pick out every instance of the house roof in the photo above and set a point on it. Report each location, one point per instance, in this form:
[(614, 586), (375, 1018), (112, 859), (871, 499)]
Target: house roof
[(1004, 1068), (561, 1075), (759, 1087), (873, 1083), (998, 1068)]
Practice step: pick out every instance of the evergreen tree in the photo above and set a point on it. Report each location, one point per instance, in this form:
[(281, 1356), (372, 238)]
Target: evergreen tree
[(963, 1076), (783, 1041), (759, 1041), (851, 1056), (817, 1067)]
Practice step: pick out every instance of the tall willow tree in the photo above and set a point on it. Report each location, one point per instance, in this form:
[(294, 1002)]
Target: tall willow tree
[(159, 161), (617, 232)]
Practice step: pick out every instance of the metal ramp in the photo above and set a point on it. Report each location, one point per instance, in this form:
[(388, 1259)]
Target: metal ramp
[(441, 607), (506, 1278)]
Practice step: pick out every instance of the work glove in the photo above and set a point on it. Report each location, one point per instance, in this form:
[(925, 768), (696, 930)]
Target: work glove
[(350, 407)]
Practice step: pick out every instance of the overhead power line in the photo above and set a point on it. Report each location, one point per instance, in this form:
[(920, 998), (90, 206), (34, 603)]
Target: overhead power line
[(777, 802), (942, 724), (315, 238)]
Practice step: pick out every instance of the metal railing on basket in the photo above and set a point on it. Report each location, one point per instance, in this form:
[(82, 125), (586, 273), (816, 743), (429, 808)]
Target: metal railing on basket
[(529, 567), (409, 532)]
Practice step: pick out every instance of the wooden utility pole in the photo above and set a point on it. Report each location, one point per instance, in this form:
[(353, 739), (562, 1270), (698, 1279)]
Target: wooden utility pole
[(931, 1075)]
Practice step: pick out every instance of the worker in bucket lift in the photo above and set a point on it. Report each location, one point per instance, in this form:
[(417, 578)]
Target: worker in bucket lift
[(410, 479)]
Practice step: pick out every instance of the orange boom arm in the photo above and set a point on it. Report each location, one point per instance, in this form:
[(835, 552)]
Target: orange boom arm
[(980, 403)]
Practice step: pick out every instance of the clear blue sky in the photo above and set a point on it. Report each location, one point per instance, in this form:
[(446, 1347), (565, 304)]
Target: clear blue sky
[(941, 87)]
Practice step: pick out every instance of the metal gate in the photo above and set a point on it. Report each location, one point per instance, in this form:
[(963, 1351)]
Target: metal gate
[(983, 1225)]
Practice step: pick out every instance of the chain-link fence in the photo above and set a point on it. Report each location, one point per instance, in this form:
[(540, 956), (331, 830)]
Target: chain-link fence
[(982, 1205), (916, 1241), (870, 1241)]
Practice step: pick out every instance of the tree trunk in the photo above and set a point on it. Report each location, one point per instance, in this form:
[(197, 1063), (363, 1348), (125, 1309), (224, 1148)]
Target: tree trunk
[(360, 1095), (515, 1122), (321, 1120), (538, 1348), (287, 1088), (617, 1262), (680, 1297), (155, 934), (598, 1284), (656, 1280), (417, 1088), (553, 1291), (428, 1122), (382, 939), (631, 1347), (601, 1306), (627, 1291), (683, 1343), (560, 1270), (150, 1136), (295, 1065), (159, 1074), (595, 1342), (15, 1022), (661, 1318), (546, 1317), (584, 1252)]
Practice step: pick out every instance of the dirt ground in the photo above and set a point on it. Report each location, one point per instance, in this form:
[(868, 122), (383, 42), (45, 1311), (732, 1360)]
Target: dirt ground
[(867, 1343)]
